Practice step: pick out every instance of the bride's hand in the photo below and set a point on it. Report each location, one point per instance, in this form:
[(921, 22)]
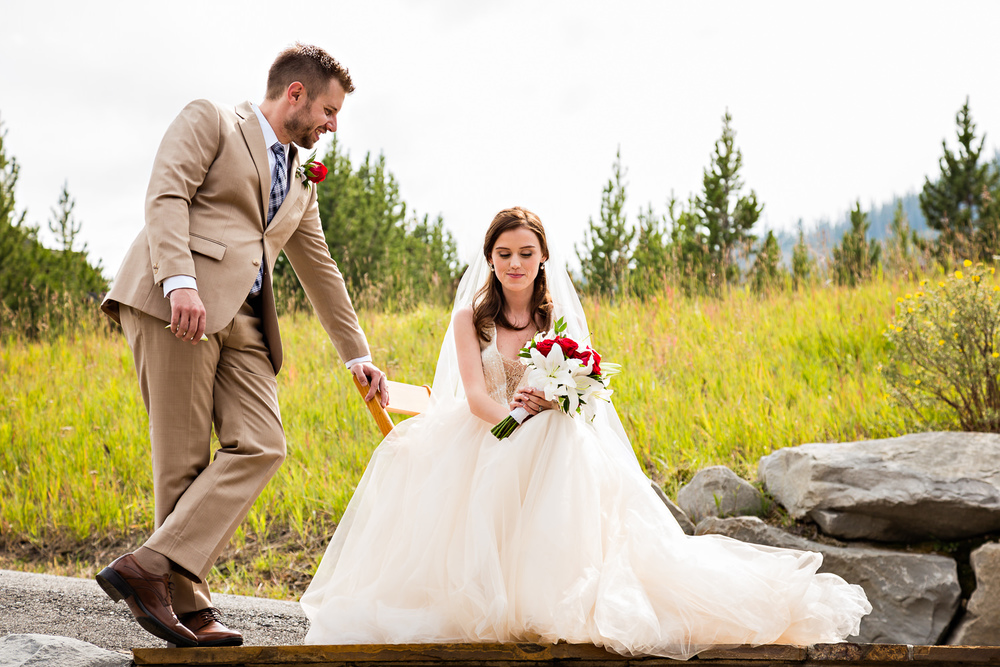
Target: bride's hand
[(531, 400)]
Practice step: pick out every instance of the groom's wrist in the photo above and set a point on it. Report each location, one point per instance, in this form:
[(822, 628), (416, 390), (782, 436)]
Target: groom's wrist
[(360, 360), (179, 282)]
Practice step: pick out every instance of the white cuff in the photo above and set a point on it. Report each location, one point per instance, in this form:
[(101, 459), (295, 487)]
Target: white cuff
[(178, 282), (360, 360)]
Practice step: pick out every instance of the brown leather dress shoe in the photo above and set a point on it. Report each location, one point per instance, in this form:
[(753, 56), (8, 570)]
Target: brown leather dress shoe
[(206, 624), (148, 596)]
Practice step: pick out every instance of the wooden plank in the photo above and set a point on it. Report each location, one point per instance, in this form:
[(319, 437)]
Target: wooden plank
[(572, 655), (955, 654), (770, 652), (860, 653)]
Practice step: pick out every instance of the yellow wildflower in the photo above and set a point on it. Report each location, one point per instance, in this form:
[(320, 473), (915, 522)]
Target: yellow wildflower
[(941, 342), (919, 294), (975, 279), (958, 274), (909, 310), (917, 382), (909, 296), (923, 282), (966, 263), (899, 299), (992, 270), (941, 284), (996, 354)]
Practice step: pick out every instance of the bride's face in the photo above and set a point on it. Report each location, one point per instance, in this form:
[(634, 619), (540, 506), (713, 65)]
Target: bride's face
[(516, 257)]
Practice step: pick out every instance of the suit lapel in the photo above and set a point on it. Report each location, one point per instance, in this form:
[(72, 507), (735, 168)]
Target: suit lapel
[(254, 137)]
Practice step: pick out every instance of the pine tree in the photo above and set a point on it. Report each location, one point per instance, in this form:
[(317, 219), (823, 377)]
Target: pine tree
[(901, 246), (728, 216), (954, 204), (803, 263), (63, 225), (607, 247), (36, 282), (650, 261), (13, 234), (856, 260), (687, 247), (766, 274), (388, 256)]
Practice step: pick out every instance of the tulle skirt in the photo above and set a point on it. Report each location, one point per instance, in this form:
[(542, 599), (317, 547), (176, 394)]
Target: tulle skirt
[(550, 535)]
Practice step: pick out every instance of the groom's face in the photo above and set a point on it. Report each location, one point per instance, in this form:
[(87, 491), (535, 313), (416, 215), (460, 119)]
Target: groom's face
[(316, 115)]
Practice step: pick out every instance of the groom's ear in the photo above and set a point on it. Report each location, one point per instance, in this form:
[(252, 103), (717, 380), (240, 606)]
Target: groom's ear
[(295, 93)]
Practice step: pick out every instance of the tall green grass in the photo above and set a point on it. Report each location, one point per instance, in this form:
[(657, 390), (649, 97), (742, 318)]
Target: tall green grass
[(704, 382)]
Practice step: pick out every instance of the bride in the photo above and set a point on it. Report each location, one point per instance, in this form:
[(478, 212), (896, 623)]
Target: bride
[(553, 534)]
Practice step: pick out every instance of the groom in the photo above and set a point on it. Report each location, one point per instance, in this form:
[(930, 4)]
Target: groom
[(226, 194)]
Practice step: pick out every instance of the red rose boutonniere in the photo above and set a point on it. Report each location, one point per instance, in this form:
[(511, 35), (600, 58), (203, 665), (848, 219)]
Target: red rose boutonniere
[(312, 170)]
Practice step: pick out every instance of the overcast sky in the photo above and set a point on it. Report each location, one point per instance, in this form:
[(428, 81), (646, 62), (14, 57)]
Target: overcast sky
[(482, 105)]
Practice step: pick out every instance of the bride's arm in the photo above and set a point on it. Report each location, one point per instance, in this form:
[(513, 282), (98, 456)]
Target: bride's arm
[(470, 364)]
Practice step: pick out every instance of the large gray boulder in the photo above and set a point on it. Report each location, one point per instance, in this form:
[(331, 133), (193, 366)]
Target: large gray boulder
[(980, 626), (915, 487), (913, 596), (679, 516), (718, 491), (43, 650)]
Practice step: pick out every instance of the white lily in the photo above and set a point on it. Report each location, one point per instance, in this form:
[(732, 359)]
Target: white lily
[(552, 374)]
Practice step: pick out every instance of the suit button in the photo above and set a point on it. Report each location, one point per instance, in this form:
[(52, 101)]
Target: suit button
[(256, 263)]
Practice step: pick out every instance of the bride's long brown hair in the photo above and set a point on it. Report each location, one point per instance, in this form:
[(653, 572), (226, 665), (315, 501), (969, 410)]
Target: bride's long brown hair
[(489, 301)]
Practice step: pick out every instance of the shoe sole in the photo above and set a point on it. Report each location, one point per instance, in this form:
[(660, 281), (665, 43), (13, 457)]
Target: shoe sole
[(117, 589), (235, 641)]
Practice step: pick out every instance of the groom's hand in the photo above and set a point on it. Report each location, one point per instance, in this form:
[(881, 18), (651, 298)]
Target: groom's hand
[(187, 315), (369, 375)]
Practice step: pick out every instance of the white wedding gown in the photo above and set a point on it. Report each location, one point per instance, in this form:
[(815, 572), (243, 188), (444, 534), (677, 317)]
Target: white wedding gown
[(553, 534)]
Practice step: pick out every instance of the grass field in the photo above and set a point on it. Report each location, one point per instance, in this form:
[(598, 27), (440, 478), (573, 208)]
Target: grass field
[(704, 382)]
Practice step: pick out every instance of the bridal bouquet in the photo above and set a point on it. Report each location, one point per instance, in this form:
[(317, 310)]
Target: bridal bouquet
[(567, 372)]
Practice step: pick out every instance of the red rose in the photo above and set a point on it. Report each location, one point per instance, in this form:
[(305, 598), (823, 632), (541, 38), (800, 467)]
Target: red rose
[(316, 171), (585, 358), (544, 346), (568, 346)]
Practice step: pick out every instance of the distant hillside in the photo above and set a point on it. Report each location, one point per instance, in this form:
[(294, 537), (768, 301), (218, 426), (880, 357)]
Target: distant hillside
[(822, 235)]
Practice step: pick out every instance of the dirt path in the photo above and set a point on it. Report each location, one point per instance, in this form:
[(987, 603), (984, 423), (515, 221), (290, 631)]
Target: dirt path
[(78, 608)]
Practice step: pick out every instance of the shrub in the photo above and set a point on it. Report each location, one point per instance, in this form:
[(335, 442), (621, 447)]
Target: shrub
[(945, 348)]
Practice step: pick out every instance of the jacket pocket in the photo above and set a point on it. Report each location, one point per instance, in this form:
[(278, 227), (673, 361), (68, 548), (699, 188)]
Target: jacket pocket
[(206, 246)]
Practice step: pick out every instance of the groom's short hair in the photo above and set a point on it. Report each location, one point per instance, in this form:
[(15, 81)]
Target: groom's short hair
[(309, 65)]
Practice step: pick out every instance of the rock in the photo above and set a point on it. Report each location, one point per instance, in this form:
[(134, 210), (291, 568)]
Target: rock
[(39, 650), (913, 596), (718, 491), (917, 487), (685, 523), (981, 624)]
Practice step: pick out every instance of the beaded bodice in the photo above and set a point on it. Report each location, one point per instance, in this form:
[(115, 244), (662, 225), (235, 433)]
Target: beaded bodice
[(503, 375)]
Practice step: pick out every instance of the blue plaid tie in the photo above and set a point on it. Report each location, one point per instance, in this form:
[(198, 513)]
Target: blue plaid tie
[(279, 187)]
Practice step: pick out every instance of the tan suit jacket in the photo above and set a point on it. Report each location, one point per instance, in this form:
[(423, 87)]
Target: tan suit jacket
[(205, 217)]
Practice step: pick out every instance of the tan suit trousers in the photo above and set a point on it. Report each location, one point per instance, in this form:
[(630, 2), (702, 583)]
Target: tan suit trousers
[(227, 381)]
